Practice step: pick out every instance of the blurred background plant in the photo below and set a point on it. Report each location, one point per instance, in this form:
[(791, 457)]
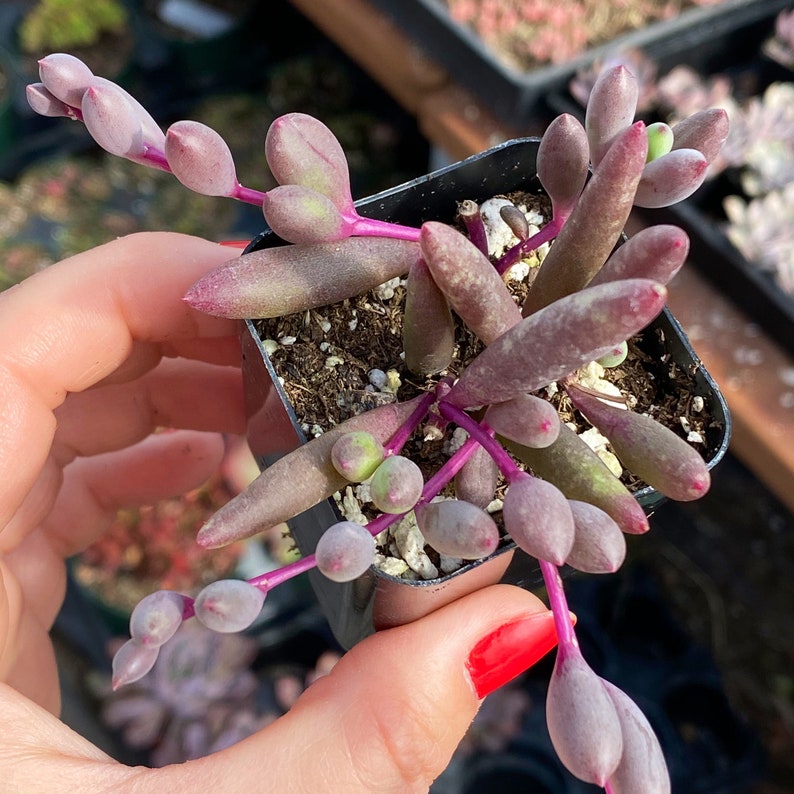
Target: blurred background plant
[(524, 35)]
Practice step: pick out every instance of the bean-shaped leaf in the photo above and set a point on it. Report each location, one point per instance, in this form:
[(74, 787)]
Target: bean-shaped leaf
[(477, 479), (112, 120), (562, 160), (457, 529), (428, 326), (297, 481), (466, 276), (538, 518), (200, 158), (66, 77), (580, 474), (599, 546), (583, 723), (557, 340), (301, 150), (706, 131), (642, 765), (672, 178), (595, 225), (527, 419), (655, 252), (287, 279), (610, 109), (44, 103), (653, 452), (302, 215)]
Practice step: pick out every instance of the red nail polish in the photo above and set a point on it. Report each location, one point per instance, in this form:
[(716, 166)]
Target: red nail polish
[(510, 650), (235, 243)]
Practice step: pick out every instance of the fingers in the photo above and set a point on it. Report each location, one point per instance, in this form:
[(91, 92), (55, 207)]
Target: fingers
[(176, 394), (392, 711), (73, 324), (161, 466)]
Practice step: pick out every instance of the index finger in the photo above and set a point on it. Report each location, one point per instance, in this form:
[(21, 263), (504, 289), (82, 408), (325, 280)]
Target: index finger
[(71, 325)]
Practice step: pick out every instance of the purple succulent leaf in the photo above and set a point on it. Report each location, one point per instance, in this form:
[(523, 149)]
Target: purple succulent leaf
[(287, 279), (610, 109), (153, 136), (44, 103), (538, 518), (595, 225), (660, 140), (655, 252), (113, 121), (303, 216), (297, 481), (301, 150), (132, 661), (581, 475), (583, 724), (396, 485), (477, 479), (599, 546), (706, 131), (473, 287), (652, 451), (557, 340), (345, 551), (516, 220), (642, 766), (562, 161), (65, 77), (457, 528), (356, 455), (672, 178), (156, 617), (526, 418), (200, 159), (428, 325), (228, 605)]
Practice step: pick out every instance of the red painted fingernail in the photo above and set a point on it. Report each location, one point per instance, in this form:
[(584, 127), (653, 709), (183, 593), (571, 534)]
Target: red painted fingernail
[(234, 243), (510, 650)]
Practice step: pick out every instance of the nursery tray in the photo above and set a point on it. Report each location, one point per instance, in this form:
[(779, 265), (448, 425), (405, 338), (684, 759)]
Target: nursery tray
[(519, 97), (750, 288), (377, 600)]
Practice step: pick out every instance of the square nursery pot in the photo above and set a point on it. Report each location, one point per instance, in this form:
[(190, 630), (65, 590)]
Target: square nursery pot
[(516, 96), (377, 600)]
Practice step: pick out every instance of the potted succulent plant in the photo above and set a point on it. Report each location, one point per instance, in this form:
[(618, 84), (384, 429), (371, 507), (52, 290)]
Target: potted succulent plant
[(460, 454)]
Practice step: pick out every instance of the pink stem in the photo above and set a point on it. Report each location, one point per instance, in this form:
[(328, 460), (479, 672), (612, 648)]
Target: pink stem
[(403, 433), (566, 635), (519, 250), (248, 195)]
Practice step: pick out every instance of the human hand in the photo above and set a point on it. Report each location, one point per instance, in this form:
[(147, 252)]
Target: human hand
[(96, 353)]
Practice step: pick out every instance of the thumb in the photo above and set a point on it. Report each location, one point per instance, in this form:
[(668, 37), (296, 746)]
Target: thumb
[(391, 713)]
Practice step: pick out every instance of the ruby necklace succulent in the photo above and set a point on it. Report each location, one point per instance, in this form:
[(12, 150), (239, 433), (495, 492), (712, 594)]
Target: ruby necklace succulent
[(561, 504)]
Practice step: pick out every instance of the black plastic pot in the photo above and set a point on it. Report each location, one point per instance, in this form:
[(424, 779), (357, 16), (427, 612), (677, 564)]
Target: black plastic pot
[(377, 600), (517, 97)]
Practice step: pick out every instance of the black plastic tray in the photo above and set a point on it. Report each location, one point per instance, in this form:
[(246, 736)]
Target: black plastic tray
[(519, 97)]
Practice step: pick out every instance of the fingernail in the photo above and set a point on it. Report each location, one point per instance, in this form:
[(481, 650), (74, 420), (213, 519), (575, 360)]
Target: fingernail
[(510, 650), (235, 243)]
